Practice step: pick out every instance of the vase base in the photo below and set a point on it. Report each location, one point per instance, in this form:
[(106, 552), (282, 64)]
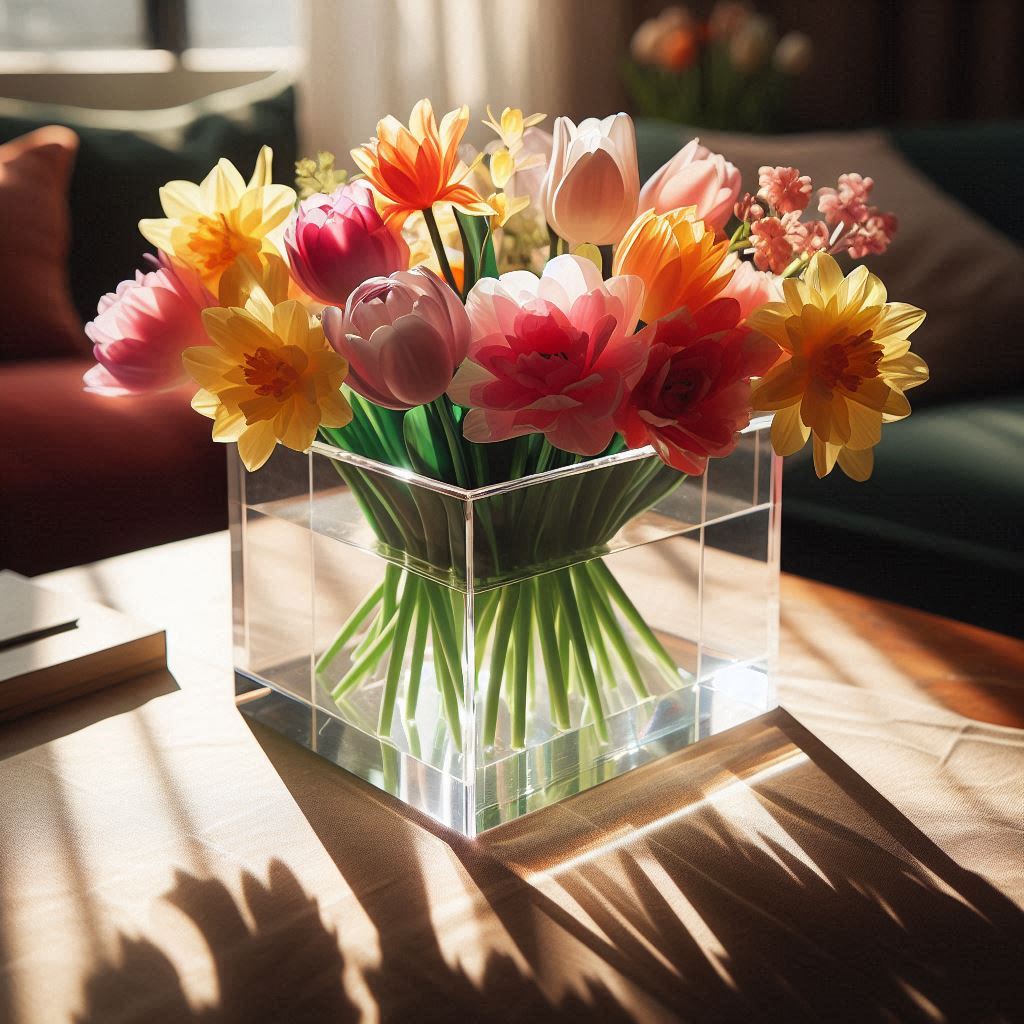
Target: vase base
[(517, 782)]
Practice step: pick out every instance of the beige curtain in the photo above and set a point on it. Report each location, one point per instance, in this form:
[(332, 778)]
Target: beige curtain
[(367, 58)]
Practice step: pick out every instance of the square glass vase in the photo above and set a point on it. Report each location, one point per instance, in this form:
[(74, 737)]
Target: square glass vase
[(483, 653)]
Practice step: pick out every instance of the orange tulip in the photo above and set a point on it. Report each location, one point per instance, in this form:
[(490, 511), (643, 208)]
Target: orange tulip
[(413, 168), (677, 259)]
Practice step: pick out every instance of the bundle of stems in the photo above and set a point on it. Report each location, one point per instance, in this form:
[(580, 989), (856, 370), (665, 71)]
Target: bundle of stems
[(544, 602)]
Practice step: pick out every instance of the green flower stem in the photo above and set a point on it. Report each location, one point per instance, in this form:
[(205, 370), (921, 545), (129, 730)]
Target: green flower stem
[(579, 644), (419, 647), (383, 521), (484, 622), (603, 577), (442, 256), (384, 432), (352, 624), (392, 577), (443, 413), (520, 454), (446, 684), (564, 652), (582, 585), (521, 643), (553, 242), (610, 628), (392, 574), (368, 661), (406, 608), (441, 614), (554, 665), (394, 494), (796, 267), (621, 507), (499, 652)]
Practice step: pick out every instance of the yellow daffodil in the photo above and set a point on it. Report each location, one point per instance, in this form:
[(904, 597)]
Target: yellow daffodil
[(269, 375), (211, 225), (849, 364)]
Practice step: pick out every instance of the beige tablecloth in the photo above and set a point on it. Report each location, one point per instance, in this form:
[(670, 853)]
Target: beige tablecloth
[(855, 856)]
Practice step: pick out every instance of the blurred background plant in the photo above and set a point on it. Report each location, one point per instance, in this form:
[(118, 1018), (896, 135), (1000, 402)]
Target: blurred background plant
[(731, 71)]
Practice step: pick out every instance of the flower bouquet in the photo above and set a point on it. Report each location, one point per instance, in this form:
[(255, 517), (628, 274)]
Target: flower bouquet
[(731, 72), (478, 559)]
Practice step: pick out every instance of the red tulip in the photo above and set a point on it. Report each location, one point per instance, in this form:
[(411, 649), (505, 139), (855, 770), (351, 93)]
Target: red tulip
[(336, 242)]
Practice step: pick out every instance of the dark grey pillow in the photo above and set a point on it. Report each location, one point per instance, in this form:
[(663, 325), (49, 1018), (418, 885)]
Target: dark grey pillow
[(125, 156)]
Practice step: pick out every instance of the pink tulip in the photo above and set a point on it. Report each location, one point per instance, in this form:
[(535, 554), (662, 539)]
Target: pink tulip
[(751, 288), (141, 329), (403, 336), (336, 242), (553, 354), (592, 183), (694, 177)]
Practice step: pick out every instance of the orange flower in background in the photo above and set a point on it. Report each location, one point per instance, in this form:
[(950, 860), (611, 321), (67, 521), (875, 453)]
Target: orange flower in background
[(212, 225), (413, 168), (677, 259), (677, 49), (849, 362)]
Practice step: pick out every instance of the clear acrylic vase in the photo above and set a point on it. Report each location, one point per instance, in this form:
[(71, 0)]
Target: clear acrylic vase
[(483, 653)]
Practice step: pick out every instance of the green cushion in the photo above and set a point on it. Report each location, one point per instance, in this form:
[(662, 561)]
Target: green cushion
[(938, 525), (125, 157), (978, 164), (657, 142)]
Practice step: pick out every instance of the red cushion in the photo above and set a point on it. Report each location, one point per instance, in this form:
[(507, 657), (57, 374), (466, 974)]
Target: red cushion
[(85, 477), (38, 319)]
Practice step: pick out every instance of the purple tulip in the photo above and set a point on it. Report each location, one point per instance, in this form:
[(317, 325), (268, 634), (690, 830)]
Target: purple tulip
[(404, 336)]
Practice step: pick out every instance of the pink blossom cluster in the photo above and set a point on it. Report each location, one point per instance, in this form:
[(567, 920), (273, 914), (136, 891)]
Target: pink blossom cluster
[(778, 235), (868, 231)]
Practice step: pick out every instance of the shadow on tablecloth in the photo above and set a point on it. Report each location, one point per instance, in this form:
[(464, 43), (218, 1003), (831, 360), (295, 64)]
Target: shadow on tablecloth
[(757, 877)]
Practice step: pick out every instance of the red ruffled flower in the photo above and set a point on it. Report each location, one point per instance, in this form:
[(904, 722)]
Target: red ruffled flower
[(694, 395)]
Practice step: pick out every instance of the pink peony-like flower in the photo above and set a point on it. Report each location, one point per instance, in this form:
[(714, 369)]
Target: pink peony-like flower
[(785, 188), (553, 354), (751, 288), (336, 242), (694, 395), (403, 337), (141, 329), (694, 177), (776, 240), (847, 204)]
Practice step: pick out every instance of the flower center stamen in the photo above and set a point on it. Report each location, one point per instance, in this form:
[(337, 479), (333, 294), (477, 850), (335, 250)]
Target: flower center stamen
[(848, 363), (215, 244), (268, 374)]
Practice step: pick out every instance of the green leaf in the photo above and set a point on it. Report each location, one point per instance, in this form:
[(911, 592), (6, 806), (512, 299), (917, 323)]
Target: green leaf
[(478, 248), (428, 454)]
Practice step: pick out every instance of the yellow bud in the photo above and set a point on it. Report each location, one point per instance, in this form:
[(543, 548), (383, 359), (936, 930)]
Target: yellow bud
[(503, 166)]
